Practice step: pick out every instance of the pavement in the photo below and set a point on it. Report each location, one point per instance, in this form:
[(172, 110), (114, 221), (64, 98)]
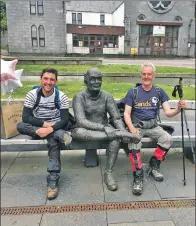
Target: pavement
[(23, 184), (175, 62)]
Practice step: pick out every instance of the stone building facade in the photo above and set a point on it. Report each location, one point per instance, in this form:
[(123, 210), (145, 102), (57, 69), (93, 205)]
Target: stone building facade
[(151, 27), (36, 27), (173, 20)]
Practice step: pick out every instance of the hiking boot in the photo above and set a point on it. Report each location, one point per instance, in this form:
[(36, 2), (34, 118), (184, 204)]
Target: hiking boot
[(67, 138), (154, 169), (137, 187), (53, 185), (155, 173), (110, 181), (52, 193)]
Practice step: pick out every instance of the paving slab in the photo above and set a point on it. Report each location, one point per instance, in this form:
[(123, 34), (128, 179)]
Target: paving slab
[(145, 215), (84, 193), (17, 180), (183, 216), (72, 159), (81, 175), (28, 220), (172, 186), (23, 196), (124, 193), (157, 223), (7, 160), (37, 177), (28, 154), (29, 166), (75, 219)]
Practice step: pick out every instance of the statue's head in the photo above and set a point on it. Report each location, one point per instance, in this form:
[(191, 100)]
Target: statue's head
[(93, 80)]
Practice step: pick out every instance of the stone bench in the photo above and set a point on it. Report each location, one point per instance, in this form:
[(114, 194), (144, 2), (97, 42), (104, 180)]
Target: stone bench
[(26, 143)]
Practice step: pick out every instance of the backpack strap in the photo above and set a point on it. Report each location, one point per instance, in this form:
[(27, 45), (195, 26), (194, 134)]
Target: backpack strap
[(135, 93), (159, 93), (57, 101), (159, 96), (39, 93)]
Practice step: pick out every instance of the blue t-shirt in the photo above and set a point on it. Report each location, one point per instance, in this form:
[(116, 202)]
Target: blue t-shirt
[(146, 104)]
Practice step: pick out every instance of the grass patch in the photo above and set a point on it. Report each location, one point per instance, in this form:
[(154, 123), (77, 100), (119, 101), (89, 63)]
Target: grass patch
[(112, 68), (118, 90)]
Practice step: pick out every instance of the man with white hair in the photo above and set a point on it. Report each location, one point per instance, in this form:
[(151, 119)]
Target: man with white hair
[(140, 115)]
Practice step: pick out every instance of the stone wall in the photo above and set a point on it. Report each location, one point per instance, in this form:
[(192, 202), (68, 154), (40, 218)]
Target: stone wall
[(19, 27)]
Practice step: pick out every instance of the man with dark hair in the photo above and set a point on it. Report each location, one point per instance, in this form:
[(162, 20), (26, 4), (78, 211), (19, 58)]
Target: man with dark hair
[(46, 116), (91, 107), (141, 109)]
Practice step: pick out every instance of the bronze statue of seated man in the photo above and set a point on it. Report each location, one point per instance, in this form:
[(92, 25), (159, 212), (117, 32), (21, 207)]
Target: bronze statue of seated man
[(91, 109)]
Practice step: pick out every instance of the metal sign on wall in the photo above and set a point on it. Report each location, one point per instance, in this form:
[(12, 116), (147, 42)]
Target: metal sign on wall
[(158, 30)]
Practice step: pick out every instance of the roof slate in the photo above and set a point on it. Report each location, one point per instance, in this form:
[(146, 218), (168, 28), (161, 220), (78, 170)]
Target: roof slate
[(93, 6)]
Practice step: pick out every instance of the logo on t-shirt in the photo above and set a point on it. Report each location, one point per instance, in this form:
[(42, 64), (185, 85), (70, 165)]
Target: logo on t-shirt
[(143, 104), (154, 101)]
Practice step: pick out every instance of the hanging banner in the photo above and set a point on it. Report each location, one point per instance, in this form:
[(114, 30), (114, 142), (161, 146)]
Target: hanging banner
[(158, 30)]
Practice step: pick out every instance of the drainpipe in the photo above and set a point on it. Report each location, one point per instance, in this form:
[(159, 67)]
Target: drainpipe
[(65, 26), (127, 23), (189, 35)]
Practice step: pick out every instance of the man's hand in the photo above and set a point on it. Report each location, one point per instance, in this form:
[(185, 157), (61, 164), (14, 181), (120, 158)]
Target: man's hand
[(48, 124), (181, 104), (43, 132), (134, 131)]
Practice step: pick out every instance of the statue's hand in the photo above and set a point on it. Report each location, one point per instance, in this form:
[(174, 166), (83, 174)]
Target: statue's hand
[(111, 132), (130, 137), (126, 140)]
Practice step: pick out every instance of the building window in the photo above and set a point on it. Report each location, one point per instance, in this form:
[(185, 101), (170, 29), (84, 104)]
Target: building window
[(34, 36), (100, 41), (73, 18), (79, 18), (171, 33), (80, 40), (110, 41), (32, 7), (40, 7), (36, 7), (41, 36), (102, 19), (146, 30)]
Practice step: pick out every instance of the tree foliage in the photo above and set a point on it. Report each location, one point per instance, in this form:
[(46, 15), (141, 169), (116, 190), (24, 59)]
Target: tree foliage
[(3, 17)]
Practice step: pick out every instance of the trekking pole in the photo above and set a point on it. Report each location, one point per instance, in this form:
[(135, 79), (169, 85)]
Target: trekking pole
[(180, 93), (188, 132)]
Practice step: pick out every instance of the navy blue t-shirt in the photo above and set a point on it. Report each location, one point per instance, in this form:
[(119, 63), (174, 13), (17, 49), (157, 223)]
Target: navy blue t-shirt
[(146, 104)]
